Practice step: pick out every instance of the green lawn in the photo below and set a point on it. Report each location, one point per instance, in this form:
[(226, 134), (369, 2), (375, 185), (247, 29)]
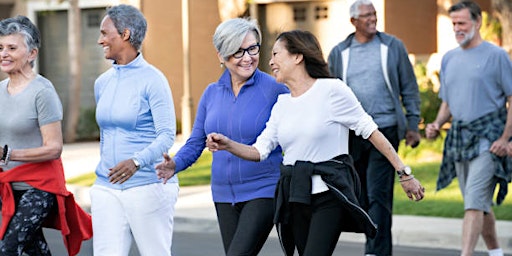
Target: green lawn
[(424, 162)]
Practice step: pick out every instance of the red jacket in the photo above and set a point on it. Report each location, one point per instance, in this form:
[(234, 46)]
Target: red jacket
[(73, 222)]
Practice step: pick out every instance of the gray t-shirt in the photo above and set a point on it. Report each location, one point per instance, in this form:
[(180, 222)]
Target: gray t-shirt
[(23, 114), (476, 81), (365, 78)]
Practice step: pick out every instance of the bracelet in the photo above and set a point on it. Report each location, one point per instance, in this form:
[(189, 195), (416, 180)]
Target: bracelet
[(7, 156), (409, 178)]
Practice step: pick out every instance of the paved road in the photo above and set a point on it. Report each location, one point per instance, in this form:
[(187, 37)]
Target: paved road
[(209, 244)]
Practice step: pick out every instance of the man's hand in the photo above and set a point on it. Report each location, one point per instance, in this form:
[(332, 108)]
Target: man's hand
[(432, 130), (500, 147), (412, 138)]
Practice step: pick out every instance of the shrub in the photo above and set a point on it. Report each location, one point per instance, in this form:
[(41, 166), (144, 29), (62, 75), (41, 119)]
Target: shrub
[(430, 101)]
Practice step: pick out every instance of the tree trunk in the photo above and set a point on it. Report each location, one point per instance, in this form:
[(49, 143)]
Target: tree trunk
[(75, 71), (503, 10)]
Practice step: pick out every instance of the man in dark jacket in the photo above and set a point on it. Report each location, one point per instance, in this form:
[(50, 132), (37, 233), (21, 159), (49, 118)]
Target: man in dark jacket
[(376, 67)]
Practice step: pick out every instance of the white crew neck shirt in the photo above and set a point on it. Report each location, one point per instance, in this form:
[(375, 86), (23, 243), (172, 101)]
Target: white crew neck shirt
[(315, 125)]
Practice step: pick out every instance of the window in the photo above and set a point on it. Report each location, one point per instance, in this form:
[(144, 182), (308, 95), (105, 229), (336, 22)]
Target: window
[(299, 13), (321, 12), (93, 20)]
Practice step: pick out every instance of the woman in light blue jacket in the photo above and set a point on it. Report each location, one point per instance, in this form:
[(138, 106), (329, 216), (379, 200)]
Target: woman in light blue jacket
[(135, 113)]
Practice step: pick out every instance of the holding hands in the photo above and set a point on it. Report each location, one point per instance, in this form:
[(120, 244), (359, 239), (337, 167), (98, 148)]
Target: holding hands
[(166, 169), (217, 141)]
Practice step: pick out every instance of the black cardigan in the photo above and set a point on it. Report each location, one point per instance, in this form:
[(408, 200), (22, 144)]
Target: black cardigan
[(340, 176)]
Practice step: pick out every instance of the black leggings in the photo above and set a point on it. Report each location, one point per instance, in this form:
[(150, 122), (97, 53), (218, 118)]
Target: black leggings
[(25, 233), (245, 226), (314, 228)]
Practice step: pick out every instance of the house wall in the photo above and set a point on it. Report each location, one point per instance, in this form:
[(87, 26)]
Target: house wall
[(328, 20), (163, 46), (414, 22), (54, 57)]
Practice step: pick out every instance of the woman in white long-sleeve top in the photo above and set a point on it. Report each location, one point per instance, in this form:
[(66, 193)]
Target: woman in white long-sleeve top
[(318, 189)]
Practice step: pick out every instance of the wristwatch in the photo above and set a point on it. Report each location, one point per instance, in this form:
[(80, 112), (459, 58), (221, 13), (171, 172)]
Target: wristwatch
[(136, 162), (405, 171)]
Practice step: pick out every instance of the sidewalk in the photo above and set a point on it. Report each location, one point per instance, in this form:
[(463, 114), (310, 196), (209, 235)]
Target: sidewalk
[(195, 211)]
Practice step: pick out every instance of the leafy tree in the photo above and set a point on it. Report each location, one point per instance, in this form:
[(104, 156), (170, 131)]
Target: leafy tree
[(503, 11)]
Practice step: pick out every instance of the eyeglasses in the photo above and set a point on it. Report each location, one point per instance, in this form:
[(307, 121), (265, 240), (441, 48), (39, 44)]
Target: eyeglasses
[(367, 15), (251, 50)]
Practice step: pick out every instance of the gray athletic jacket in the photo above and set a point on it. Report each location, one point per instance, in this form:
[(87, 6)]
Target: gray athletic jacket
[(398, 73)]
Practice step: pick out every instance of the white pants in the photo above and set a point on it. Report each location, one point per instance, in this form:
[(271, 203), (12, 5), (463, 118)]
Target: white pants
[(144, 213)]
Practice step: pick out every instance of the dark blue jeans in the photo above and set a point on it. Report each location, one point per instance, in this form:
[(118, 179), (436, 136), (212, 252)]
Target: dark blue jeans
[(245, 226), (377, 177), (25, 233)]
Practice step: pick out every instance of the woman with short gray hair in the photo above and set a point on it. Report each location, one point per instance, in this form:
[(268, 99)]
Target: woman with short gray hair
[(31, 172), (135, 114), (239, 104), (128, 18)]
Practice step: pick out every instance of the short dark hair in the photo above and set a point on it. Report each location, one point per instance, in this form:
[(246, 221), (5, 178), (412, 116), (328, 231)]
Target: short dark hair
[(305, 43), (474, 9)]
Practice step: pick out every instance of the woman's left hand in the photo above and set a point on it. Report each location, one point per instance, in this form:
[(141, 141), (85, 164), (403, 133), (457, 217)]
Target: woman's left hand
[(122, 171), (413, 188), (166, 169)]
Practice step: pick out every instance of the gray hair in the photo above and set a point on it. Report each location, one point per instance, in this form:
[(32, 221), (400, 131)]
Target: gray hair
[(23, 26), (473, 8), (128, 17), (354, 8), (230, 35)]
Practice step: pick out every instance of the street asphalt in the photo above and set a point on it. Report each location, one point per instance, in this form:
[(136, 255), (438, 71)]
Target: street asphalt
[(195, 211)]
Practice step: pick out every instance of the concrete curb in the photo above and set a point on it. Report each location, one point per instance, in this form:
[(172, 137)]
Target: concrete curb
[(195, 212)]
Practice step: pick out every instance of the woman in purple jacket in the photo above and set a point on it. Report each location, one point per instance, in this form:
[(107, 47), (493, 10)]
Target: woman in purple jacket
[(238, 105)]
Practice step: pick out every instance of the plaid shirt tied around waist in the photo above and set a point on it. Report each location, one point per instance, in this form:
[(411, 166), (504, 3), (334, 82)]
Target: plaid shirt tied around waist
[(459, 148)]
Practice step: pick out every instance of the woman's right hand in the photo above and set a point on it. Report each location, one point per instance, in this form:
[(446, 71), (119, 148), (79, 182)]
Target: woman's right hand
[(166, 169)]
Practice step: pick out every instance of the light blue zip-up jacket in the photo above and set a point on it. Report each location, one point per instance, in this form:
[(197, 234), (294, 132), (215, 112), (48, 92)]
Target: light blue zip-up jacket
[(135, 113), (398, 74)]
